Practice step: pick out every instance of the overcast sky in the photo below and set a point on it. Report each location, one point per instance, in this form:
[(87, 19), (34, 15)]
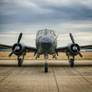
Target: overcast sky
[(63, 16)]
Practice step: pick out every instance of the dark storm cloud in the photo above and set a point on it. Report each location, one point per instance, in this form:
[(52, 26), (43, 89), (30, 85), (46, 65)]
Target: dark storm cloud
[(12, 12), (42, 11)]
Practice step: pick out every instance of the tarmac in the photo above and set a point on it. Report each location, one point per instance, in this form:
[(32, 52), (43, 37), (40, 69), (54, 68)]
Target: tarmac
[(31, 77)]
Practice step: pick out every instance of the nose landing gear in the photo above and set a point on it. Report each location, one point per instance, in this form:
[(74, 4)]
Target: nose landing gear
[(46, 64), (46, 67)]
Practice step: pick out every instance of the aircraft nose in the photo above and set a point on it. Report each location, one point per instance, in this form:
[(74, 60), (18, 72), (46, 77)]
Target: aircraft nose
[(46, 43)]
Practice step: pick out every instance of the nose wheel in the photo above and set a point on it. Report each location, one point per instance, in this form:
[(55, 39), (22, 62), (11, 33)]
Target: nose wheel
[(46, 67), (46, 64)]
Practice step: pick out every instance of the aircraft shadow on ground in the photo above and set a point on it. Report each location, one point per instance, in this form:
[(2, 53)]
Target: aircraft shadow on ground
[(41, 65)]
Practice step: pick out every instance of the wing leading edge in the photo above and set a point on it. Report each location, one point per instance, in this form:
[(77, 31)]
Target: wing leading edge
[(30, 49), (64, 49), (5, 46), (27, 48), (61, 49), (86, 47)]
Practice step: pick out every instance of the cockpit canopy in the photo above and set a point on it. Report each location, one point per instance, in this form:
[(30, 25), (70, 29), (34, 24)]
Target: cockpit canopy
[(46, 32)]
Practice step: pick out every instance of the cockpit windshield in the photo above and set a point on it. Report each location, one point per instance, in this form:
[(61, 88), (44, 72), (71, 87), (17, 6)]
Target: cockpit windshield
[(46, 32)]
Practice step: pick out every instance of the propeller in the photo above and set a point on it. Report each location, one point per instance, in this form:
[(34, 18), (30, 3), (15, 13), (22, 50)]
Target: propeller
[(10, 54), (72, 38), (19, 38), (80, 54), (73, 41)]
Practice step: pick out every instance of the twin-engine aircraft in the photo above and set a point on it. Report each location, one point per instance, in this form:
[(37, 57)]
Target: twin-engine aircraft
[(46, 43)]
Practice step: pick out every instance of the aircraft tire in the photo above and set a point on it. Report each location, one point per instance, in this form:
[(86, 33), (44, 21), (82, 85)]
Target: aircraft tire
[(71, 62), (19, 62), (46, 67)]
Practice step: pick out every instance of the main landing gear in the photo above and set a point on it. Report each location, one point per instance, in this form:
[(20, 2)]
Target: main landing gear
[(20, 61), (71, 61)]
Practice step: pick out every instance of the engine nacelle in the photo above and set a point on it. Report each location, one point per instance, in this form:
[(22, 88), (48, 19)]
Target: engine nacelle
[(73, 49), (18, 49)]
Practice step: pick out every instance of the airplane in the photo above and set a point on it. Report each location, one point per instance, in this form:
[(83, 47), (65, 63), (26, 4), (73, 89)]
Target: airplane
[(46, 43)]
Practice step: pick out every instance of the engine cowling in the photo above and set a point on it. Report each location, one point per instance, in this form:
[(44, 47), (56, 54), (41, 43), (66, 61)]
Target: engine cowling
[(18, 49), (73, 49)]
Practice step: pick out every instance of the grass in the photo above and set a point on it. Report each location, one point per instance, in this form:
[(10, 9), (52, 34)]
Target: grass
[(30, 56)]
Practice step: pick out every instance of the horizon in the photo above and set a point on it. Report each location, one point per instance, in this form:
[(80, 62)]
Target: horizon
[(29, 16), (63, 39)]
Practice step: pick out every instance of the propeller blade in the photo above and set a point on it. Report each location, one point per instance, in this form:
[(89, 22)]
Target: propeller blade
[(19, 38), (10, 54), (80, 54), (72, 38)]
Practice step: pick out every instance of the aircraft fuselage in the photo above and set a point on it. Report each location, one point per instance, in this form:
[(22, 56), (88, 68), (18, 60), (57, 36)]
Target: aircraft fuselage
[(46, 41)]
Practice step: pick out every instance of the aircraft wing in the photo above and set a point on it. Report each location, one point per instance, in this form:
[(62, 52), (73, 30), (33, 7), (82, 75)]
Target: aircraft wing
[(86, 47), (30, 49), (61, 49), (64, 49), (5, 46)]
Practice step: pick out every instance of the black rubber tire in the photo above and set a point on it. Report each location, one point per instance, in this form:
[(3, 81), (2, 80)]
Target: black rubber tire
[(19, 62), (71, 62), (46, 67)]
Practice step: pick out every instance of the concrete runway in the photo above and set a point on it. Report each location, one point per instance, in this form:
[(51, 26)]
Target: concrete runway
[(31, 77)]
